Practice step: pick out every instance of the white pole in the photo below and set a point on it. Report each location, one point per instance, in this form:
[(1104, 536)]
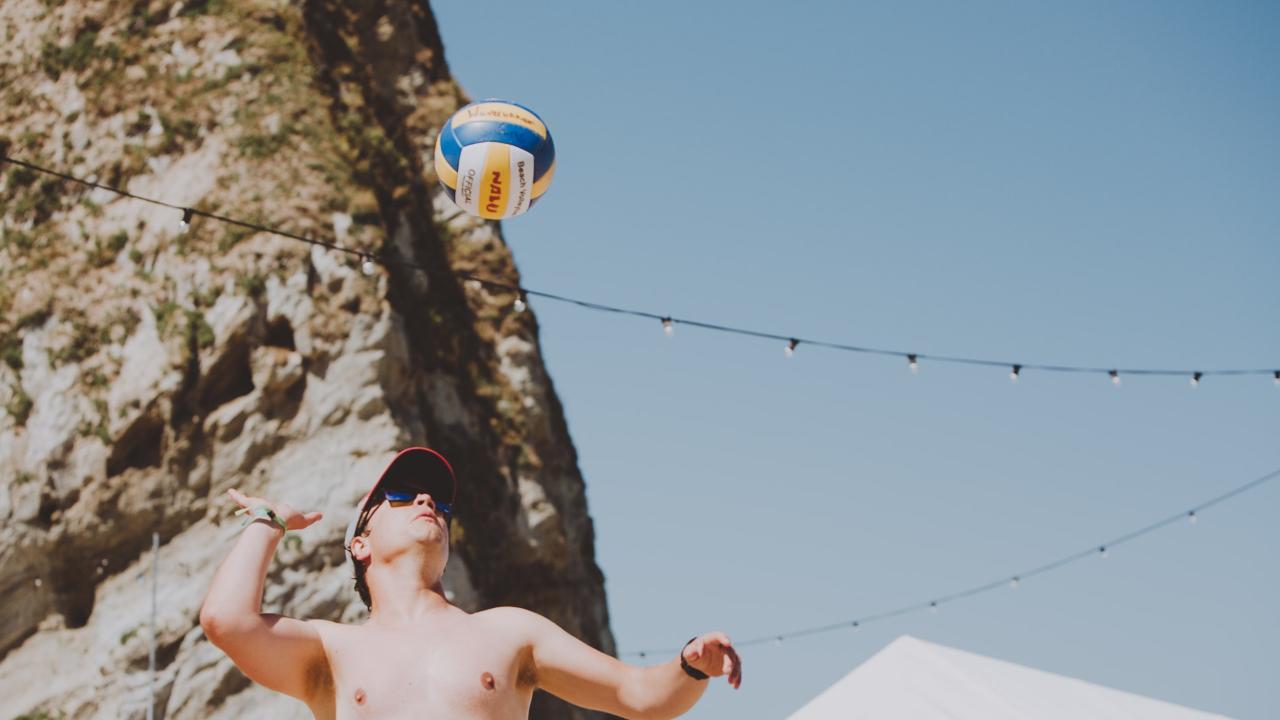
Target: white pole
[(151, 655)]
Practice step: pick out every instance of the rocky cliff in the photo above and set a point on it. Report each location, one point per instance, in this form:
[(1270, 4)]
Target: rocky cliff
[(144, 370)]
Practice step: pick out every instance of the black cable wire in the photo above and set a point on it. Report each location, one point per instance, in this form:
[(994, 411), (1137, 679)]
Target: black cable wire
[(792, 343), (1015, 578), (599, 307)]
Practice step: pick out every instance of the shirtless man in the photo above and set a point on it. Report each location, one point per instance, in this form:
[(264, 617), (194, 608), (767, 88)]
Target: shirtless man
[(418, 656)]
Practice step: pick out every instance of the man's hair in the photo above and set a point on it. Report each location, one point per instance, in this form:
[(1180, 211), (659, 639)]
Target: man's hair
[(362, 587)]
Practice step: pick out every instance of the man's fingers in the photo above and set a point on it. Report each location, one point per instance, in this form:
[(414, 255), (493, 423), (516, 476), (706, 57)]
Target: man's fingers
[(712, 652), (312, 517), (735, 667), (239, 497)]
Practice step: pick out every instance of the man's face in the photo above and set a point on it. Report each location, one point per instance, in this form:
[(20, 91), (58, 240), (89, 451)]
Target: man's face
[(404, 517)]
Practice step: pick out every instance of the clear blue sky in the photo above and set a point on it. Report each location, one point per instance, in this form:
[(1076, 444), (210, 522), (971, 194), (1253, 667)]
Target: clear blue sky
[(1082, 183)]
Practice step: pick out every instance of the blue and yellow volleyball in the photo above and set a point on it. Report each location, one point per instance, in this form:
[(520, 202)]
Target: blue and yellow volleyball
[(495, 159)]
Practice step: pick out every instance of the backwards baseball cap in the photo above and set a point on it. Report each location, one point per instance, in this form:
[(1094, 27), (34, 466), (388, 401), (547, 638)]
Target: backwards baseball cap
[(416, 467)]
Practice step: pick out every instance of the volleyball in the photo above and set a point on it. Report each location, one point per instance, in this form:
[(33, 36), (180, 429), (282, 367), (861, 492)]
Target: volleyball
[(495, 159)]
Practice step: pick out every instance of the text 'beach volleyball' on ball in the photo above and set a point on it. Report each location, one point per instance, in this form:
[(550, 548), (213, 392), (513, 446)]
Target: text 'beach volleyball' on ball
[(495, 158)]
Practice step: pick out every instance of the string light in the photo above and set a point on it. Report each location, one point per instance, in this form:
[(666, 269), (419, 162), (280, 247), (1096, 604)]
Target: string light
[(790, 349), (913, 359), (1115, 377), (668, 327), (1192, 518), (913, 362), (519, 305), (367, 264), (1014, 373), (1195, 379), (933, 607), (1013, 581)]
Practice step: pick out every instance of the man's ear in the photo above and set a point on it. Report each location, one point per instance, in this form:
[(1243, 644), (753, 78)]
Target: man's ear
[(360, 548)]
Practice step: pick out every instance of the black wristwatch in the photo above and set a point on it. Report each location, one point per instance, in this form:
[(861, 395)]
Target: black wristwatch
[(692, 672)]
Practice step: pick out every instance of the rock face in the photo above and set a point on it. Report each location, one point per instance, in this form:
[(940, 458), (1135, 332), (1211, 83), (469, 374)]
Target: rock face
[(143, 371)]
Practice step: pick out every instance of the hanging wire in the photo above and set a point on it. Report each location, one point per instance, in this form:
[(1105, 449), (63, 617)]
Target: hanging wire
[(912, 358), (1011, 580)]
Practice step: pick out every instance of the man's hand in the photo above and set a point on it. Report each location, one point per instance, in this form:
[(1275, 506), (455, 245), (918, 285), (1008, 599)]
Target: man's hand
[(714, 655), (281, 653), (293, 518)]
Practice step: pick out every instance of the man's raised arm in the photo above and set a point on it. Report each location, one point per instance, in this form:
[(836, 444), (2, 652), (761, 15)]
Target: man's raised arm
[(584, 676), (281, 653)]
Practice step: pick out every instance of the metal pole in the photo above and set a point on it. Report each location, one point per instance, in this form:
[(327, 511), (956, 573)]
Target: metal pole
[(151, 654)]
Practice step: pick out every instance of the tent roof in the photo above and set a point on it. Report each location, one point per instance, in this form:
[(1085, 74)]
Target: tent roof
[(911, 678)]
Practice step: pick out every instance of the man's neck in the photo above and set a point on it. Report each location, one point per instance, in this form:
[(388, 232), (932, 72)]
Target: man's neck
[(404, 595)]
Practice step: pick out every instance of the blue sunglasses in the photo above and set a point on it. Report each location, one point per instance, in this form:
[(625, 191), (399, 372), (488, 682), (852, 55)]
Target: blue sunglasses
[(402, 497)]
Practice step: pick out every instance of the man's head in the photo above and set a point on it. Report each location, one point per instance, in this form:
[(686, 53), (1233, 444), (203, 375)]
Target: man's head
[(405, 514)]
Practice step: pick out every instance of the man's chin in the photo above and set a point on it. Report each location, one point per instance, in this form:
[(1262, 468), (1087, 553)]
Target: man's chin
[(426, 532)]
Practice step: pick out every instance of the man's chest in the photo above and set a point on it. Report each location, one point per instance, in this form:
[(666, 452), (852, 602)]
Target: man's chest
[(447, 675)]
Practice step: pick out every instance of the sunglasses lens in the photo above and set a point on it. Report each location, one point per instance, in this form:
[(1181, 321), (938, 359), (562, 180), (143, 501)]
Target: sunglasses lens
[(399, 496)]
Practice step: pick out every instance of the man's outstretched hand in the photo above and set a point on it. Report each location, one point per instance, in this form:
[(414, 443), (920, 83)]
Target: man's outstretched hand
[(714, 655), (293, 518)]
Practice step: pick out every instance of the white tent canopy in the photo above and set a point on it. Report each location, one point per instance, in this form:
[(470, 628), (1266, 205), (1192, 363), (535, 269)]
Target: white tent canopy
[(911, 678)]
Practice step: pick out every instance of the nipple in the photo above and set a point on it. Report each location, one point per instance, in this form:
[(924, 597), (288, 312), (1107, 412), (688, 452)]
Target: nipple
[(487, 681), (359, 696)]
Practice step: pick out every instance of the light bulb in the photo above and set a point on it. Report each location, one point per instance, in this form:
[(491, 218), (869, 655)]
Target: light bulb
[(1115, 377), (519, 304), (790, 349), (1015, 582), (1014, 373), (367, 265), (668, 327), (1192, 517), (933, 607), (185, 223), (855, 625), (777, 640), (1102, 550), (1277, 381), (1195, 379), (913, 363)]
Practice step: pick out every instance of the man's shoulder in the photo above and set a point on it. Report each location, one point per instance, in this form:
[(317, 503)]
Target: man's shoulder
[(506, 613), (328, 630), (322, 625), (512, 618)]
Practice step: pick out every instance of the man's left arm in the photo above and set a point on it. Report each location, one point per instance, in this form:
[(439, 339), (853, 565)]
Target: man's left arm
[(578, 673)]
